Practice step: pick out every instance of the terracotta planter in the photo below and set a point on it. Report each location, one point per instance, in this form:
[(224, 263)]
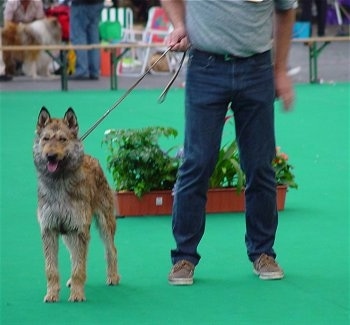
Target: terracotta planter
[(160, 202), (152, 203), (281, 197)]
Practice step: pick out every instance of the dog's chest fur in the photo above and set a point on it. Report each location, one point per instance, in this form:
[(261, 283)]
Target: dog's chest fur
[(61, 203)]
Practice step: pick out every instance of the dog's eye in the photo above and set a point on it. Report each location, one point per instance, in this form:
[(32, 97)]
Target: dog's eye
[(63, 139), (45, 138)]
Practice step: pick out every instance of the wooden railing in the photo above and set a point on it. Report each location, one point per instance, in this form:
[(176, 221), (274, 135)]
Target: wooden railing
[(117, 51), (315, 46)]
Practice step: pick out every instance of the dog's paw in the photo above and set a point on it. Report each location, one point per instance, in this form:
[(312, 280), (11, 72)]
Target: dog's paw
[(113, 280), (77, 296), (51, 297)]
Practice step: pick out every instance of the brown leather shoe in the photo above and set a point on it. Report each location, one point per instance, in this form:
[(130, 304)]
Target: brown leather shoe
[(266, 267), (181, 273)]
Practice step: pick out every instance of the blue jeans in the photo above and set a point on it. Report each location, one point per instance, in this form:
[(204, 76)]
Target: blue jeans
[(213, 83), (84, 29)]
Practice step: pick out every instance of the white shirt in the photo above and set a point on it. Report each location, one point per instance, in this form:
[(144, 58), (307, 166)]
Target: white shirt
[(15, 12)]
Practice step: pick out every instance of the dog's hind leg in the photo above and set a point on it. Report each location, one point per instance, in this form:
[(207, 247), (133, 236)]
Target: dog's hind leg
[(107, 226), (77, 244), (50, 246)]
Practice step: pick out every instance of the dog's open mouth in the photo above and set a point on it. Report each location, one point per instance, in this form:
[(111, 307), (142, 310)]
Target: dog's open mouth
[(52, 163), (52, 166)]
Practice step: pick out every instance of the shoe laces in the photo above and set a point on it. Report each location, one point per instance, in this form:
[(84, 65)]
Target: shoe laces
[(183, 264), (265, 260)]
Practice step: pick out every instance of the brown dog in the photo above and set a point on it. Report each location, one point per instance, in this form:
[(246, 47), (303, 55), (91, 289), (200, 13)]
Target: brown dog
[(71, 190), (45, 31)]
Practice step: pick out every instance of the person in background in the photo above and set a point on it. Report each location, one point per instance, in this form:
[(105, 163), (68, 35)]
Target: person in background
[(321, 18), (230, 65), (85, 17), (23, 11), (141, 8)]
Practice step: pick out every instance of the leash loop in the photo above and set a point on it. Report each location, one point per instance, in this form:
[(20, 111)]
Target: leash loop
[(161, 98)]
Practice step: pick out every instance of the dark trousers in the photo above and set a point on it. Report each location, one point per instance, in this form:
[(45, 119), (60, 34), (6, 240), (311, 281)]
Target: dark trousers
[(306, 14), (213, 84)]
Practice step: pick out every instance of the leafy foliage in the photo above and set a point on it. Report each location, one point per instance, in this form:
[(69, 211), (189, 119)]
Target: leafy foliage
[(283, 170), (228, 172), (137, 162)]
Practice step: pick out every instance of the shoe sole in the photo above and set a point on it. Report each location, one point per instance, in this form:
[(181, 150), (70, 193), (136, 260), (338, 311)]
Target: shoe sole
[(269, 276), (181, 282)]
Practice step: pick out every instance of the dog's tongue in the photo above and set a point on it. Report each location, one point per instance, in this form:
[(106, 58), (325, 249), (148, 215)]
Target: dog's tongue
[(52, 166)]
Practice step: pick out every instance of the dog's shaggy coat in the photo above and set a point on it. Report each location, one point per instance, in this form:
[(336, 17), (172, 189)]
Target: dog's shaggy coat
[(71, 190), (45, 31)]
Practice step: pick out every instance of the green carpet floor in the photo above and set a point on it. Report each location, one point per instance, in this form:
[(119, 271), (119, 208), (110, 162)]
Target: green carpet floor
[(312, 242)]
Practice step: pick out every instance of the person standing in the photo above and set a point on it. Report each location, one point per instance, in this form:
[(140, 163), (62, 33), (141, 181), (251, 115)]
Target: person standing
[(321, 18), (230, 65), (85, 16)]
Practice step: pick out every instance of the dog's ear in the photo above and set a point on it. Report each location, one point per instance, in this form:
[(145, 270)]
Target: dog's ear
[(43, 118), (72, 121)]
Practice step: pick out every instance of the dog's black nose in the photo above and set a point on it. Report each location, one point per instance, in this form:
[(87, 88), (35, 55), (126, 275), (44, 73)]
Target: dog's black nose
[(52, 157)]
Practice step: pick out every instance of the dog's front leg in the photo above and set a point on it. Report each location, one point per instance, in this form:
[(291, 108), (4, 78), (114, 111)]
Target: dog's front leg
[(50, 246), (33, 70), (77, 244)]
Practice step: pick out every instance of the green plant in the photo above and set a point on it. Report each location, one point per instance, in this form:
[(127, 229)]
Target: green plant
[(283, 170), (228, 172), (137, 162)]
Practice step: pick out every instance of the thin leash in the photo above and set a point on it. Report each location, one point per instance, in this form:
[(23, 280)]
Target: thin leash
[(160, 99)]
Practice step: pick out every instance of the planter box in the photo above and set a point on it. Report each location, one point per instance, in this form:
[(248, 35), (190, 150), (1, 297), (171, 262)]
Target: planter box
[(152, 203), (160, 202)]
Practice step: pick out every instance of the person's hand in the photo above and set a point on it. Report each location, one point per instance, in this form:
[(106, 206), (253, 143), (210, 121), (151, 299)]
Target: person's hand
[(178, 40), (284, 89)]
